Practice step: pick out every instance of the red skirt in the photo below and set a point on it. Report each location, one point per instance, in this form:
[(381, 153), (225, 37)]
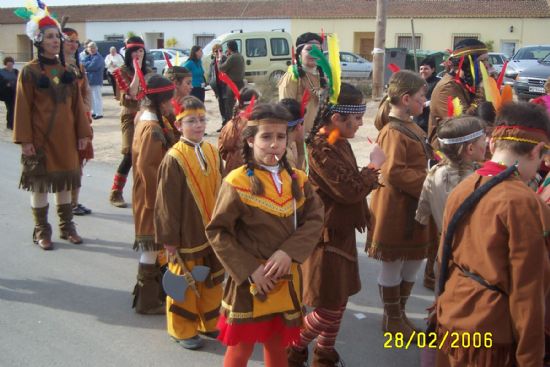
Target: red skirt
[(257, 332)]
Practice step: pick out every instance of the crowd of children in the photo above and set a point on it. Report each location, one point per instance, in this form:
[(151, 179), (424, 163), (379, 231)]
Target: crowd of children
[(287, 238)]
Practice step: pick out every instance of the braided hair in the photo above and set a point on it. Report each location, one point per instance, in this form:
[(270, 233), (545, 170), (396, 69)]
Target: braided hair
[(349, 95), (128, 61), (266, 111), (301, 42), (154, 101), (44, 81)]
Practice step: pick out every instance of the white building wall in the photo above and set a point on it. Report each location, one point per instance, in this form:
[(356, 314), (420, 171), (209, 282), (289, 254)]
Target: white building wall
[(182, 30)]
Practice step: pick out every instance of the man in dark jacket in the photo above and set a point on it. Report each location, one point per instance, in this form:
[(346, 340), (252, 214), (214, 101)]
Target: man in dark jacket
[(428, 73), (234, 68)]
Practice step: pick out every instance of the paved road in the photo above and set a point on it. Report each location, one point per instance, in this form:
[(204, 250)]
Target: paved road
[(71, 306)]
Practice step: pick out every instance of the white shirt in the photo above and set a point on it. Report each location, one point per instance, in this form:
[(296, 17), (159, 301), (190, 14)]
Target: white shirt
[(117, 61), (274, 170)]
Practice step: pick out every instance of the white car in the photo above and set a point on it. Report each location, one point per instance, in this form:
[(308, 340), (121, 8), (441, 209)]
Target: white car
[(159, 60), (497, 60), (354, 66)]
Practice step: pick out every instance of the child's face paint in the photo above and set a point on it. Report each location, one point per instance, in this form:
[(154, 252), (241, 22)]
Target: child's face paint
[(269, 144), (348, 125), (416, 102)]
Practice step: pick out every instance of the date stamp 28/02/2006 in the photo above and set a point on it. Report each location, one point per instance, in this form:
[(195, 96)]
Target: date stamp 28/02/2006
[(432, 340)]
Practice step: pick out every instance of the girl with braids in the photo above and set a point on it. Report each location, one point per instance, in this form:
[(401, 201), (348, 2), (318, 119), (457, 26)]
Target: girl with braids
[(51, 125), (304, 74), (130, 95), (151, 141), (70, 51), (331, 273), (189, 178), (495, 265), (295, 128), (396, 238), (230, 139), (265, 223), (462, 141)]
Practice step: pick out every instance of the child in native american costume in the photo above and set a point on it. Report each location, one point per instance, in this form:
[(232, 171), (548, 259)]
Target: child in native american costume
[(463, 81), (70, 50), (266, 222), (188, 182), (131, 92), (304, 74), (462, 142), (295, 128), (230, 139), (331, 273), (51, 126), (151, 142), (396, 238), (181, 77), (495, 265)]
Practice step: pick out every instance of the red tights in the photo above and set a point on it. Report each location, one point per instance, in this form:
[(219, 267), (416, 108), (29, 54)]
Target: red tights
[(274, 354)]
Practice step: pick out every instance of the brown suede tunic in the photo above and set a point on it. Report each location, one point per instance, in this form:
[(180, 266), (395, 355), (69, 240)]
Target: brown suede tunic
[(34, 108), (244, 234), (148, 150), (331, 273), (396, 234), (505, 241)]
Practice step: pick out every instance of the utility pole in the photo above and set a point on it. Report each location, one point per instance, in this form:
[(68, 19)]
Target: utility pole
[(414, 46), (378, 52)]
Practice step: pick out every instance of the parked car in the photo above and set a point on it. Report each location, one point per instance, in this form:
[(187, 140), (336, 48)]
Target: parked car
[(497, 59), (354, 66), (160, 62), (266, 54), (524, 58), (530, 82)]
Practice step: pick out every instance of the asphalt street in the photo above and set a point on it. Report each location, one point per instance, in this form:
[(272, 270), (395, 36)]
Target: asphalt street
[(72, 306)]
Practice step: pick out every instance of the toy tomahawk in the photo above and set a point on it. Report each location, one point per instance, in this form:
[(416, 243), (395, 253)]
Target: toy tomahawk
[(176, 285)]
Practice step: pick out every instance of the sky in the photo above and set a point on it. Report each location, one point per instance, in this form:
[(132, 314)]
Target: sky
[(20, 3)]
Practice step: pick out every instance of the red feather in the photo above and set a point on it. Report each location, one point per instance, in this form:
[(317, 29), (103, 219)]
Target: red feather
[(248, 111), (394, 68), (501, 75), (225, 78), (457, 76), (168, 63), (177, 107), (322, 36), (293, 56), (137, 69), (305, 101), (450, 107)]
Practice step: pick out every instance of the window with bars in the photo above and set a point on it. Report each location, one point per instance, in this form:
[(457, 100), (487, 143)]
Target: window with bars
[(406, 41)]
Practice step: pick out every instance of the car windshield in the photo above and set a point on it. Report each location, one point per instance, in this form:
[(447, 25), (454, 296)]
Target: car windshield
[(532, 53)]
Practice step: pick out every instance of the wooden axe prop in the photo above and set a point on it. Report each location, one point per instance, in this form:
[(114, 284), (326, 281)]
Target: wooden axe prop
[(176, 285)]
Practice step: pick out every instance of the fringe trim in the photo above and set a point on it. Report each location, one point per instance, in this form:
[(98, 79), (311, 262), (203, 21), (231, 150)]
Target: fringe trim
[(52, 182), (417, 252), (146, 243)]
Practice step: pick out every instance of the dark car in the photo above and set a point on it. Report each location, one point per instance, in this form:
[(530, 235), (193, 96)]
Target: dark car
[(530, 82)]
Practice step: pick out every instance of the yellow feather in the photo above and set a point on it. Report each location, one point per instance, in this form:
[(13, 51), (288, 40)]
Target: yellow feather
[(457, 111), (177, 61), (486, 86), (334, 61)]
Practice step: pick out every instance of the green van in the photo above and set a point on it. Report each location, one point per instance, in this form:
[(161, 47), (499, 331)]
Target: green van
[(266, 54)]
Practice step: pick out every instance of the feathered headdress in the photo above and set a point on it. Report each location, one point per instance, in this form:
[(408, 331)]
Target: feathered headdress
[(331, 66), (38, 18)]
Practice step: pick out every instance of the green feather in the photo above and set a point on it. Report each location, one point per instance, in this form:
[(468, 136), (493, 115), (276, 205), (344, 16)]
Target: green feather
[(322, 62), (23, 13)]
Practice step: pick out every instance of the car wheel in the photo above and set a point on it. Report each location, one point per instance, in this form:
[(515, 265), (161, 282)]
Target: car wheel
[(276, 76)]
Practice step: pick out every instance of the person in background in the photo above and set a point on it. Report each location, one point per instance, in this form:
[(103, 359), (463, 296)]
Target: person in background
[(112, 62), (84, 51), (428, 72), (234, 68), (194, 65), (217, 85), (8, 81), (94, 64)]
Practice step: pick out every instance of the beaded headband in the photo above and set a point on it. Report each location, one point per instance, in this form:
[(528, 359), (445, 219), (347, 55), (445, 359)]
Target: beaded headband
[(349, 108), (462, 139), (521, 134), (190, 111)]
